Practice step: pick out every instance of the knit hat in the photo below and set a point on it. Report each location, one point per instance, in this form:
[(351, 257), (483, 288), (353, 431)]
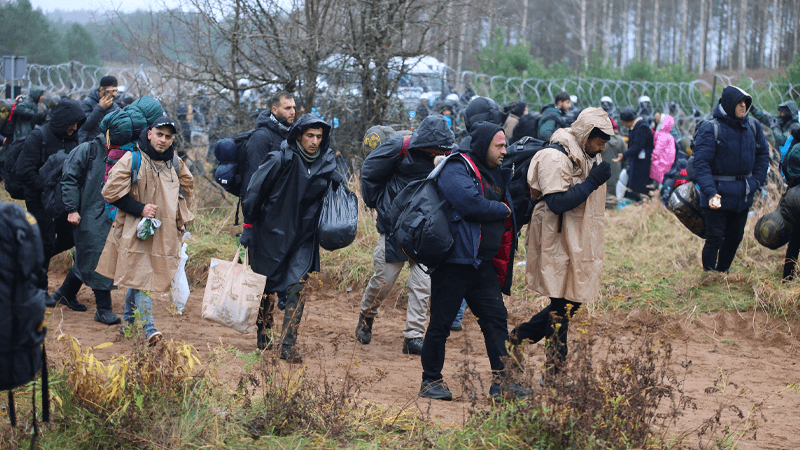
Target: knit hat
[(627, 115), (108, 81)]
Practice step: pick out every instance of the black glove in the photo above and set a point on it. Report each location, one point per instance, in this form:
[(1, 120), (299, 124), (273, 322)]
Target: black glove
[(599, 174), (246, 238)]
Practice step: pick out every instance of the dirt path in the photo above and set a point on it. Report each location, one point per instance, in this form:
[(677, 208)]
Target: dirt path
[(723, 359)]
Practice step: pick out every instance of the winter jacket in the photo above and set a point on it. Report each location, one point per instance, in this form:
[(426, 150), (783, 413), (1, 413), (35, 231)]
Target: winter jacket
[(266, 139), (283, 203), (565, 253), (736, 155), (94, 115), (148, 264), (26, 114), (467, 208), (664, 149), (53, 135), (782, 126), (387, 170), (637, 159), (551, 120), (82, 184)]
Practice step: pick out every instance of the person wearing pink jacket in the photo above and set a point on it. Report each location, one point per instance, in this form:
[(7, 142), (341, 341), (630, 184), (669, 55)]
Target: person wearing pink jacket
[(664, 151)]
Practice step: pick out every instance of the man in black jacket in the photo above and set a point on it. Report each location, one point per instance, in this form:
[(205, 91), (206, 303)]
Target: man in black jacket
[(96, 105), (40, 144), (637, 157), (281, 210), (272, 128), (386, 171)]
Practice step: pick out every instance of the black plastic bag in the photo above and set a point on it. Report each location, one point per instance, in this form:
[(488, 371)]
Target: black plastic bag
[(338, 222)]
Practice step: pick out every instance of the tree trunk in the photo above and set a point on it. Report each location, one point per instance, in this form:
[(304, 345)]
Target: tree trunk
[(684, 27), (729, 34), (701, 64), (623, 41), (607, 32), (639, 44), (795, 24), (460, 53), (584, 37), (741, 25), (654, 32), (524, 27), (777, 18)]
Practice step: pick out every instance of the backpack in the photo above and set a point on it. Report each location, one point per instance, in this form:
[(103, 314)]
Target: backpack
[(715, 125), (519, 160), (231, 168), (22, 353), (13, 185), (50, 173), (421, 227)]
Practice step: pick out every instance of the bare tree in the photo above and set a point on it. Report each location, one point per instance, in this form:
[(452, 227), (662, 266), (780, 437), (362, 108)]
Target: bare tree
[(684, 25), (742, 41), (701, 66), (655, 30), (775, 57)]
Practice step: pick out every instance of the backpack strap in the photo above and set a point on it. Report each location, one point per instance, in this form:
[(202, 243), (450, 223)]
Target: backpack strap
[(476, 173), (561, 149), (11, 114), (136, 156), (404, 148)]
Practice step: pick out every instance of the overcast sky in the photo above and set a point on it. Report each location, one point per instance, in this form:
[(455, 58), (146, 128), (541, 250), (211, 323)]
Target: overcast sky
[(97, 5)]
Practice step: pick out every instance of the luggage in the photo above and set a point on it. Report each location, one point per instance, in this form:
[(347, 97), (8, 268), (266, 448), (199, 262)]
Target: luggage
[(684, 202), (233, 294)]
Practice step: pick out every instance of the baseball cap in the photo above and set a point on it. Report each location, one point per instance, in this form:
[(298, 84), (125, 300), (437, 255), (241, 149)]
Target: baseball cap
[(164, 121)]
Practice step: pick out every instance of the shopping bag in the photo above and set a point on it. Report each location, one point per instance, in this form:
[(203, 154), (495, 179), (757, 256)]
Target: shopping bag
[(180, 284), (233, 294), (338, 221)]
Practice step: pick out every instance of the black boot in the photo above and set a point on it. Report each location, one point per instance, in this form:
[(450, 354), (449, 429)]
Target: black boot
[(104, 313), (67, 293), (364, 329)]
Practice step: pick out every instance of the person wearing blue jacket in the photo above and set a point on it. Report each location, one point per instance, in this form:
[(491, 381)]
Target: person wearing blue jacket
[(479, 268), (728, 170)]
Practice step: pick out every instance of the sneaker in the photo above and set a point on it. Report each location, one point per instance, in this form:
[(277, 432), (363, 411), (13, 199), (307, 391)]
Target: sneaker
[(364, 329), (435, 389), (412, 346), (290, 355), (506, 390), (49, 301), (154, 338), (106, 317), (71, 303)]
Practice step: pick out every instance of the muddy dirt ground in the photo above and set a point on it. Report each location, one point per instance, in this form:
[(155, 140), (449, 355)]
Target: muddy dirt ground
[(722, 359)]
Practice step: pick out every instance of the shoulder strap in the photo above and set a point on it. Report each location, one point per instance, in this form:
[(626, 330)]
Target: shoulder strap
[(754, 128), (404, 148), (558, 147), (136, 157), (11, 114), (476, 173)]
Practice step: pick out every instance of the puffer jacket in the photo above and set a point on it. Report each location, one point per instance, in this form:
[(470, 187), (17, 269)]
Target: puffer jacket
[(781, 127), (552, 119), (664, 150), (267, 138), (387, 170), (737, 155), (94, 115), (26, 114)]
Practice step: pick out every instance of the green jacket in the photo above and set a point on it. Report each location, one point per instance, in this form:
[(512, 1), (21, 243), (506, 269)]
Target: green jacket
[(551, 120), (26, 114), (82, 182), (781, 129)]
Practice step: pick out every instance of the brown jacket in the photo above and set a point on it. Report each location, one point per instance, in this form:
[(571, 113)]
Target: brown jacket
[(567, 264), (150, 264)]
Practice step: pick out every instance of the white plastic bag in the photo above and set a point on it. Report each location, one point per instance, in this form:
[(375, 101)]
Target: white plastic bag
[(180, 284)]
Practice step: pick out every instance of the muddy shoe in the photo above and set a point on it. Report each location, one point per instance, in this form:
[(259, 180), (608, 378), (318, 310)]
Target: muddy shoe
[(435, 389), (71, 303), (364, 329), (412, 346), (154, 338), (107, 317), (506, 390), (290, 355)]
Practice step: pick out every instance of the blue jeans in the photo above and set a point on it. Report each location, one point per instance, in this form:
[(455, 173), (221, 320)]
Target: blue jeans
[(135, 298)]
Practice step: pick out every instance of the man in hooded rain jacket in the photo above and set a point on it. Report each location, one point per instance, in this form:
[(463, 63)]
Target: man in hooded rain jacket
[(565, 236), (479, 268), (281, 213), (781, 127), (386, 171), (729, 171), (147, 266), (41, 143)]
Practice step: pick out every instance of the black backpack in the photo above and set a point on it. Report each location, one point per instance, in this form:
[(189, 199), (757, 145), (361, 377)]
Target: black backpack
[(518, 158), (715, 125), (421, 227), (50, 173), (22, 330), (230, 172), (13, 185)]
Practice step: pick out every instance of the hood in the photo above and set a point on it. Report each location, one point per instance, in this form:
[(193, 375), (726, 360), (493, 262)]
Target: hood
[(34, 94), (481, 136), (667, 122), (433, 132), (482, 109), (589, 119), (731, 96), (790, 108), (267, 120), (525, 127), (94, 94), (305, 122), (65, 113)]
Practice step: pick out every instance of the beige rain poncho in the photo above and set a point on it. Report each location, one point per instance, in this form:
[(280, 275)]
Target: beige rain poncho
[(567, 264)]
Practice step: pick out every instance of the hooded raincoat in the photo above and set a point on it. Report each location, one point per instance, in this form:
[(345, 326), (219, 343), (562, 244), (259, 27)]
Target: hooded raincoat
[(146, 264), (664, 150), (82, 183), (567, 263), (283, 203)]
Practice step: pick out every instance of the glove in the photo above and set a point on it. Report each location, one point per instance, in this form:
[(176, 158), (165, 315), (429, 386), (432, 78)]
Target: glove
[(599, 174), (246, 238)]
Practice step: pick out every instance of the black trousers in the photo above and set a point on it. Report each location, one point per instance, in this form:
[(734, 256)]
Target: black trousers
[(792, 252), (724, 232), (450, 283), (542, 325), (292, 315), (56, 234)]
